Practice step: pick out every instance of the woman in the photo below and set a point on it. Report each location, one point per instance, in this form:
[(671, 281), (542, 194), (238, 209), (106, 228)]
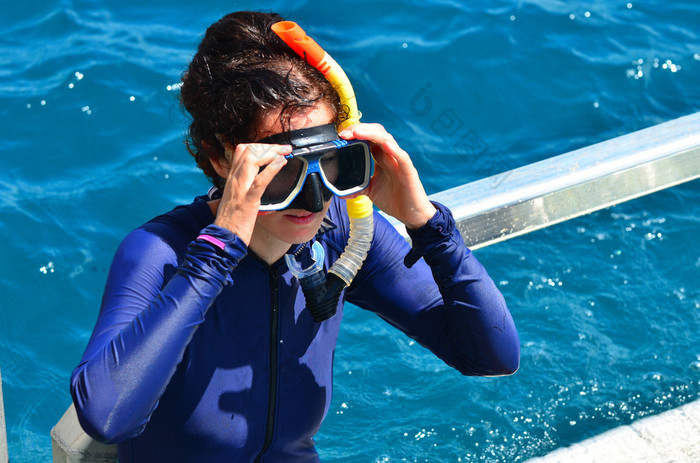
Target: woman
[(204, 349)]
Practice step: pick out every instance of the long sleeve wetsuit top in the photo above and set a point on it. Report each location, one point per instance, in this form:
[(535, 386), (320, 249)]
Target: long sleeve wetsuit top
[(207, 355)]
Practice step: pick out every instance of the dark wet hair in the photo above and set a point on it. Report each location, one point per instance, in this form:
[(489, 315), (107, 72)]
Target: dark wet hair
[(241, 72)]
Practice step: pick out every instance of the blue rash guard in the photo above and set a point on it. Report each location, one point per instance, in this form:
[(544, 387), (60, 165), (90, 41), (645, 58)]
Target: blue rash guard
[(207, 355)]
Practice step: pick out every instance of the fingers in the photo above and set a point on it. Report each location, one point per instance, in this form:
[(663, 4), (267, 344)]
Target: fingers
[(384, 143), (258, 154), (251, 168), (375, 133), (263, 179), (395, 187), (268, 157), (247, 159)]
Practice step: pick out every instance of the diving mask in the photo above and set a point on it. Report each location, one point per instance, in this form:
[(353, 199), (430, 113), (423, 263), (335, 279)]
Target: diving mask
[(344, 166)]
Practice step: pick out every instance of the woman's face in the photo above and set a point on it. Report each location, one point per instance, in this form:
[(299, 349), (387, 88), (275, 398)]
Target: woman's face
[(291, 226)]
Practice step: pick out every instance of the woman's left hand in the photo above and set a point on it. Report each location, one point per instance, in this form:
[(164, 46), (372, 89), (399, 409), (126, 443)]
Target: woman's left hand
[(395, 187)]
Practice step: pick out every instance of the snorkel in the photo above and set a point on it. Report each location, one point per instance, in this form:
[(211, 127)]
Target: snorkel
[(323, 292)]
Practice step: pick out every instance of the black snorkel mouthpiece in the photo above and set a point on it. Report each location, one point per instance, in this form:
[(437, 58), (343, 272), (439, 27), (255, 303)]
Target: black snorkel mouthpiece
[(322, 295), (322, 292)]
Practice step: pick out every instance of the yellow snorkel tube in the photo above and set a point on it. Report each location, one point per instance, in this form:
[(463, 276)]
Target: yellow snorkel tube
[(322, 300)]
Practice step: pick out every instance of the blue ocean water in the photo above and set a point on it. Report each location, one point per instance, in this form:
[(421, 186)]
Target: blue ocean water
[(607, 305)]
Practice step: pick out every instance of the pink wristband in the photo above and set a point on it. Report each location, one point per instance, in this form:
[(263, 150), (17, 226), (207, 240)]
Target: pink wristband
[(210, 239)]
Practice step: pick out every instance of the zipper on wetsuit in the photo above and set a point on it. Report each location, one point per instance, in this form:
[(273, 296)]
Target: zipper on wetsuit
[(274, 345)]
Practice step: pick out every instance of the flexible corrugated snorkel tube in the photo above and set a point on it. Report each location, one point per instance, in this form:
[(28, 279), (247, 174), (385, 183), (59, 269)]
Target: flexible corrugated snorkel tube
[(322, 297)]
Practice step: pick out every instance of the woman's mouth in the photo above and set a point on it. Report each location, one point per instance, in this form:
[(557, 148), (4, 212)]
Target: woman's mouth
[(301, 217)]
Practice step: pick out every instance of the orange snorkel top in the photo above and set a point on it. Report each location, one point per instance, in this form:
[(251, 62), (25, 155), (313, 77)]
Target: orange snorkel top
[(302, 44), (312, 53)]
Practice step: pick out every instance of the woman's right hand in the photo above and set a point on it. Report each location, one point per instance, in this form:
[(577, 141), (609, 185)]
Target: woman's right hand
[(245, 184)]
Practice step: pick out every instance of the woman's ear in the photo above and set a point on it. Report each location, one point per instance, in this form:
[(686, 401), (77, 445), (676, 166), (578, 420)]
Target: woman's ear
[(219, 163)]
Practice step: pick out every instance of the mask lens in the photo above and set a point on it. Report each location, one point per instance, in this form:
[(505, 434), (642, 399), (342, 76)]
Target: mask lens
[(285, 182), (347, 168)]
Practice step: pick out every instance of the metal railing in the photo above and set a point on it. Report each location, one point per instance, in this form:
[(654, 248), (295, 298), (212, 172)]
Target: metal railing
[(517, 202), (70, 444), (4, 458), (570, 185)]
